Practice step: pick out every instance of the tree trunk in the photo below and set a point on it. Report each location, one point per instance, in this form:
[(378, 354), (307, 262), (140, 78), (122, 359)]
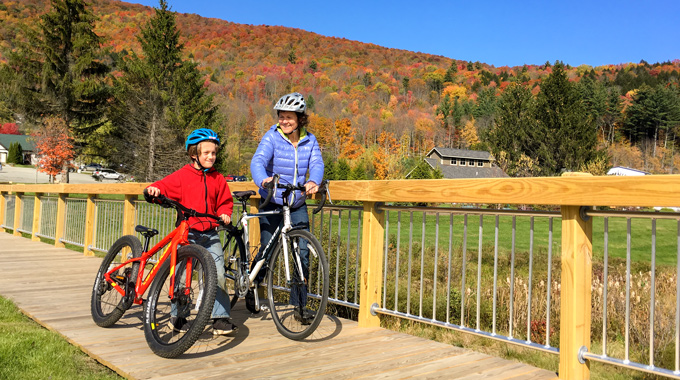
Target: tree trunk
[(152, 146)]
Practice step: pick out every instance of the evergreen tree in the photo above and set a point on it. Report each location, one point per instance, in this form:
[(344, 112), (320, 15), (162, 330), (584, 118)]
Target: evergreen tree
[(515, 135), (329, 168), (653, 113), (359, 172), (594, 96), (160, 99), (60, 70), (571, 139), (15, 154), (486, 103), (451, 72), (342, 170), (311, 102), (422, 170)]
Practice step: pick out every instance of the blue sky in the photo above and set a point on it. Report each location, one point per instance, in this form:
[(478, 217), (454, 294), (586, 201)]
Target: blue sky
[(500, 33)]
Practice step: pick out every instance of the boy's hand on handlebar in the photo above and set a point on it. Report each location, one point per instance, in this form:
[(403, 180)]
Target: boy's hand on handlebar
[(153, 191), (226, 219), (266, 181)]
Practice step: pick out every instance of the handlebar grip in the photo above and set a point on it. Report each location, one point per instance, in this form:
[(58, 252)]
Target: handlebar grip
[(271, 187), (324, 189)]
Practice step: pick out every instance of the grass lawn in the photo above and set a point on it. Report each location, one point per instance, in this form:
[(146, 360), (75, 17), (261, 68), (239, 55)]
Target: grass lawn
[(29, 351)]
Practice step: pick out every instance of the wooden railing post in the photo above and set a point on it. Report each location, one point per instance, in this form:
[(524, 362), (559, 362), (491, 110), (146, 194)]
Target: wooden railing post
[(3, 208), (89, 225), (18, 208), (37, 209), (575, 305), (373, 236), (129, 214), (61, 221), (254, 228)]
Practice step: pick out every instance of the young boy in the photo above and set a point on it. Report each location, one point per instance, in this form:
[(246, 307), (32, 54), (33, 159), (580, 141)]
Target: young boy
[(202, 188)]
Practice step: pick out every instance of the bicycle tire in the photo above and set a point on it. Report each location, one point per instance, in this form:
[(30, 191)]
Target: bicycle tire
[(195, 304), (315, 291), (107, 305), (235, 274)]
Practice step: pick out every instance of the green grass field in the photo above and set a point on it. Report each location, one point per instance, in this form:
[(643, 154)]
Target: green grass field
[(29, 351)]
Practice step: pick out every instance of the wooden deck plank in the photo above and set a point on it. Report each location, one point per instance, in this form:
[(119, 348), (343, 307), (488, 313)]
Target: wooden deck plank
[(53, 286)]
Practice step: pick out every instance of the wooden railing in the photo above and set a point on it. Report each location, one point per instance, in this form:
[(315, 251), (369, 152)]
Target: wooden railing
[(572, 194)]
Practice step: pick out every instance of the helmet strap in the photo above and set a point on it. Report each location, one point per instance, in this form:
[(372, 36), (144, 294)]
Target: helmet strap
[(198, 163)]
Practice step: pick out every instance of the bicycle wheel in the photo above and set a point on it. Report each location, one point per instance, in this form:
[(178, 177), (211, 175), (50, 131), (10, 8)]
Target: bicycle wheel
[(171, 326), (298, 307), (236, 275), (107, 304)]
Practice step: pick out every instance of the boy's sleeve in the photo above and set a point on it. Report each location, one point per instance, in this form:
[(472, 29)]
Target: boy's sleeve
[(225, 202), (170, 186)]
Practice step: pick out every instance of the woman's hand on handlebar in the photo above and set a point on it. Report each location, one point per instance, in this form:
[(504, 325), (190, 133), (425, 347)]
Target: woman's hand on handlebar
[(311, 188), (266, 181)]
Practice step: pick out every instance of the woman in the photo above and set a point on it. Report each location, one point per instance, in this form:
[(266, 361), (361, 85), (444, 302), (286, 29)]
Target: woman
[(293, 153)]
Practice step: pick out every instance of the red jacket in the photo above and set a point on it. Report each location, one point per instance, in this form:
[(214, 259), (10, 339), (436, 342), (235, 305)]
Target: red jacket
[(205, 192)]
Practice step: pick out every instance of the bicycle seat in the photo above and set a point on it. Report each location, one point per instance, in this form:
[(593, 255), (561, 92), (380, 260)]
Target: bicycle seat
[(147, 231), (243, 196)]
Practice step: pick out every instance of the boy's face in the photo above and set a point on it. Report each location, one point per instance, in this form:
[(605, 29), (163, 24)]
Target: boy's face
[(207, 153)]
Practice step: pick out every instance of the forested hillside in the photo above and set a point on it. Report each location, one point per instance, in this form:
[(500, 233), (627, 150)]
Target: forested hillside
[(376, 110)]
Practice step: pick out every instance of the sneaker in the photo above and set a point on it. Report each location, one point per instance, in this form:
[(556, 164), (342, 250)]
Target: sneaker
[(304, 315), (223, 326), (176, 323)]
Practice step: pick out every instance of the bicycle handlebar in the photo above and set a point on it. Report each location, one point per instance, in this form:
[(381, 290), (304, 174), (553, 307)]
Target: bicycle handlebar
[(164, 201), (274, 184)]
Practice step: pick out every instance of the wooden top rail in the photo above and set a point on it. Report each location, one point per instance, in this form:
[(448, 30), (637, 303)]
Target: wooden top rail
[(644, 191)]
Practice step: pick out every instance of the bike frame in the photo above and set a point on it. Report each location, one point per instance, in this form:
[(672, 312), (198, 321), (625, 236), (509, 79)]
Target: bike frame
[(178, 236), (279, 234)]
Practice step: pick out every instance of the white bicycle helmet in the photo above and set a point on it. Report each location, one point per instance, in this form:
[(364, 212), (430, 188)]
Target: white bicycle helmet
[(291, 102)]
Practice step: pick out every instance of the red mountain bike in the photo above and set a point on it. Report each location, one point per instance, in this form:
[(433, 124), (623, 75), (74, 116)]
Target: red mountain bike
[(183, 283)]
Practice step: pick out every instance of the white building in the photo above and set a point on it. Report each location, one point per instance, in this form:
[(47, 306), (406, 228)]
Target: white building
[(622, 170)]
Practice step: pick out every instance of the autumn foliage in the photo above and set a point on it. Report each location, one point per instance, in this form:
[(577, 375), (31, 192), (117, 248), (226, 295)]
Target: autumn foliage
[(370, 105), (54, 146), (9, 129)]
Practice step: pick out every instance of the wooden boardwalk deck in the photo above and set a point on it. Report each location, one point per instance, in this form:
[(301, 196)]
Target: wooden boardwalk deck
[(53, 285)]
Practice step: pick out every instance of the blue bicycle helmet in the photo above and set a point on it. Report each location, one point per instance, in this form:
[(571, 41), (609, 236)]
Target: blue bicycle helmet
[(201, 134)]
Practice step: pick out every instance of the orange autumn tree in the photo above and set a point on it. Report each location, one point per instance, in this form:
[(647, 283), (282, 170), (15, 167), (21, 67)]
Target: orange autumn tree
[(349, 149), (54, 146), (380, 163)]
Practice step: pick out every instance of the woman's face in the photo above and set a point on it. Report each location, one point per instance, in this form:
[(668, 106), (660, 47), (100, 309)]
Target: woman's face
[(288, 121)]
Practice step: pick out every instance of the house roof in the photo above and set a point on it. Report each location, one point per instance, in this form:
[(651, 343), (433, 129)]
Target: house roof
[(451, 171), (622, 170), (25, 141), (460, 153)]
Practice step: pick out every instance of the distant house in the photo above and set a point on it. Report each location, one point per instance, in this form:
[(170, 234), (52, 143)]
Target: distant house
[(27, 146), (622, 170), (463, 163)]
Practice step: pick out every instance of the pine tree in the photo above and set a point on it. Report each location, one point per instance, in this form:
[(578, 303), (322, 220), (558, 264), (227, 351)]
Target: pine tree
[(159, 100), (571, 139), (451, 72), (15, 153), (358, 172), (342, 170), (515, 133), (60, 70)]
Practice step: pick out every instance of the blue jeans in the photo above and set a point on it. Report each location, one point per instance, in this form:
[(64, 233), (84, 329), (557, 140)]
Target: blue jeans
[(211, 241), (298, 218)]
